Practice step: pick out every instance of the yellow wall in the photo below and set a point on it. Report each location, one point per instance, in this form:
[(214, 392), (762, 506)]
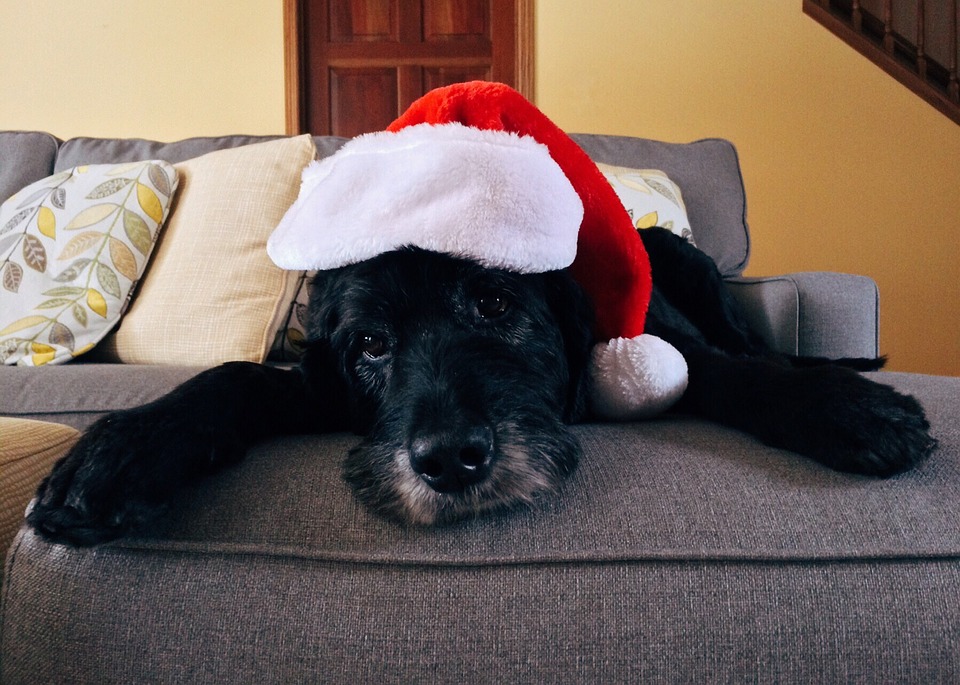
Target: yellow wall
[(159, 70), (846, 170)]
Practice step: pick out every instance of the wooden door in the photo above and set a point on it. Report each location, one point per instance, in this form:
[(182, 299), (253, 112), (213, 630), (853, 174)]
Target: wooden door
[(353, 66)]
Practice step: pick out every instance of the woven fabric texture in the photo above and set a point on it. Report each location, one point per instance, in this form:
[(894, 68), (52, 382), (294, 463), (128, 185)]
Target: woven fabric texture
[(678, 552), (27, 451)]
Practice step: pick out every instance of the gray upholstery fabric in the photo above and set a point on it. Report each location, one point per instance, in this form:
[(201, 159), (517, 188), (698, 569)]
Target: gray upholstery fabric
[(113, 150), (79, 394), (678, 552), (76, 151), (815, 314), (708, 173), (832, 302), (25, 157), (771, 307)]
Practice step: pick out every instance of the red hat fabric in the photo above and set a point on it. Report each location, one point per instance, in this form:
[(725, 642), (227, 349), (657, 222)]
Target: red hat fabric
[(611, 263)]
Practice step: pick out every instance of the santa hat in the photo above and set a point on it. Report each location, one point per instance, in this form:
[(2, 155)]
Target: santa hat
[(476, 170)]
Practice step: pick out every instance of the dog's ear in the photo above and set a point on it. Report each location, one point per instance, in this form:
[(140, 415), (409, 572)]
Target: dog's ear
[(573, 312), (320, 364)]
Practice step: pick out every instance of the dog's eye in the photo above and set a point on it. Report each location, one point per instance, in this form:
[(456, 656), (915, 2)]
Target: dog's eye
[(491, 306), (372, 346)]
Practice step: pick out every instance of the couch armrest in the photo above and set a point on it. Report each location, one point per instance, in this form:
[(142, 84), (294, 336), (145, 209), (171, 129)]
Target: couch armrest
[(816, 314)]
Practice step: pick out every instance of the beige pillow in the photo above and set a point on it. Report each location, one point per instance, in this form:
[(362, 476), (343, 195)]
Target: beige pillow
[(211, 293)]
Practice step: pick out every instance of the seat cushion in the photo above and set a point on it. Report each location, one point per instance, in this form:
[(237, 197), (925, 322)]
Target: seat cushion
[(77, 394), (679, 551), (672, 488)]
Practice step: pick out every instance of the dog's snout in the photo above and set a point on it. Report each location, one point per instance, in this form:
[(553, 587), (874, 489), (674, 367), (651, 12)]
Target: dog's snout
[(451, 461)]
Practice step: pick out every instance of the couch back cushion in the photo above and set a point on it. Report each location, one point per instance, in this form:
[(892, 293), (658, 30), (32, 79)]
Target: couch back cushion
[(78, 151), (708, 174), (25, 157)]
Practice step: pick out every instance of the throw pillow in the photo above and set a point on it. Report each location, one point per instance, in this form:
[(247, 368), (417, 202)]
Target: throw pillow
[(211, 293), (651, 199), (73, 246), (292, 335)]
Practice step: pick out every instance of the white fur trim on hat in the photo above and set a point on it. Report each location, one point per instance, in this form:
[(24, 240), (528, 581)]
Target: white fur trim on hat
[(490, 195), (635, 378)]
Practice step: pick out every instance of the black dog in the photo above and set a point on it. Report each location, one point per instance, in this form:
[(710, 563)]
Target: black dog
[(463, 380)]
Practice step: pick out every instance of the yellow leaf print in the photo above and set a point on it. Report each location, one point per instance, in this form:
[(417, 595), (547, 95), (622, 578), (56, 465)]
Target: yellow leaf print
[(123, 259), (96, 302), (25, 322), (41, 353), (149, 202), (47, 222), (648, 220), (634, 183), (80, 244), (90, 216)]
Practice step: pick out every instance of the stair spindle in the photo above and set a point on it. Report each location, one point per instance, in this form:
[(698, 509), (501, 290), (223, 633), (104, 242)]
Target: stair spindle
[(953, 87), (921, 30), (888, 26)]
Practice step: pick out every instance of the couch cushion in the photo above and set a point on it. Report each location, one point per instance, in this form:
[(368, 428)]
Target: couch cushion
[(78, 394), (677, 488), (79, 242), (25, 157), (679, 551), (77, 151), (708, 174)]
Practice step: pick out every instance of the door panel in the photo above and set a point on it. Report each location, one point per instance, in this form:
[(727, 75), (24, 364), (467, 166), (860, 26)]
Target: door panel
[(360, 63), (361, 95)]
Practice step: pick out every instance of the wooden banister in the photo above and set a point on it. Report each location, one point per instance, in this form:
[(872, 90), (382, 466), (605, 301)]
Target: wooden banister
[(899, 36)]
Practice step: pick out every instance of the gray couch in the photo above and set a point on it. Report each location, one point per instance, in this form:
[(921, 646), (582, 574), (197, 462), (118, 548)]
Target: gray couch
[(679, 551)]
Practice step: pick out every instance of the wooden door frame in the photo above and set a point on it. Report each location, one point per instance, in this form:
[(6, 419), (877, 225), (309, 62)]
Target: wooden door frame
[(292, 64)]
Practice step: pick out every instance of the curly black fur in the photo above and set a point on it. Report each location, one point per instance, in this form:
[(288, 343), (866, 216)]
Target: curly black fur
[(820, 408), (463, 380)]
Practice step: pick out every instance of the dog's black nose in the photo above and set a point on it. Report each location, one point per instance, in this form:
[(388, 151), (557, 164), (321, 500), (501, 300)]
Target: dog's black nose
[(451, 461)]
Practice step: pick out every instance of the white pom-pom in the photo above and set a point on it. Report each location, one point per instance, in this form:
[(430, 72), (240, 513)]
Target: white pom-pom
[(635, 378)]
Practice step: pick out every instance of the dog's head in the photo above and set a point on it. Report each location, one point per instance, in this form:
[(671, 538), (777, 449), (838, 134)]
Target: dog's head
[(461, 377)]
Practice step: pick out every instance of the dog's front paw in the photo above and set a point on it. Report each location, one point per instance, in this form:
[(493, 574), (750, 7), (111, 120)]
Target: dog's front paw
[(117, 478), (860, 426)]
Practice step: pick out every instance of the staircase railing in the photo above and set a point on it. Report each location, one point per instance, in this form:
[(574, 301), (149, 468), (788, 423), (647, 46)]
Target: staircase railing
[(915, 41)]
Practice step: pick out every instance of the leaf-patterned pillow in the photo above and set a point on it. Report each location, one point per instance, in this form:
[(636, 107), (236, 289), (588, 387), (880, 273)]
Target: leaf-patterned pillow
[(291, 336), (72, 247), (651, 199)]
